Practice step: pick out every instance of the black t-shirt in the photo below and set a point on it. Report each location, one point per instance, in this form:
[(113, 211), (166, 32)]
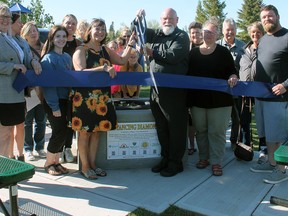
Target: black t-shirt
[(218, 64)]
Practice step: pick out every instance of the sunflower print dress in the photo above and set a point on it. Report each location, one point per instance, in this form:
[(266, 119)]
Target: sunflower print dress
[(92, 108)]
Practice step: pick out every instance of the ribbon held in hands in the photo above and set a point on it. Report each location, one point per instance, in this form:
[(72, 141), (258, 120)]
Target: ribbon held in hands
[(101, 79)]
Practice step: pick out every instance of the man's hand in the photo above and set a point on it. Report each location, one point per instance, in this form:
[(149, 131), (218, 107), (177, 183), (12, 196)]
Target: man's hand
[(140, 13), (279, 89)]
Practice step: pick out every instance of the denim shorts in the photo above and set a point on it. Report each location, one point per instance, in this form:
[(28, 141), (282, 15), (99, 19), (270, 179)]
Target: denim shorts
[(272, 120)]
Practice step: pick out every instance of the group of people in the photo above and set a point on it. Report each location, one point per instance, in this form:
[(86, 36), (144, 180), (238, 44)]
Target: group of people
[(90, 110), (228, 59)]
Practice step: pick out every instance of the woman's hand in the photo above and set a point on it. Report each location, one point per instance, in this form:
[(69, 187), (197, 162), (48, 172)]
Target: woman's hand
[(20, 67), (278, 89), (111, 71), (232, 81), (36, 66), (57, 113)]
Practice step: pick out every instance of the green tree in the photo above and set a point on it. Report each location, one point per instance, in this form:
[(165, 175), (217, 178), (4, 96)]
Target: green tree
[(249, 13), (10, 2), (209, 8), (38, 15), (153, 24), (200, 15), (111, 33)]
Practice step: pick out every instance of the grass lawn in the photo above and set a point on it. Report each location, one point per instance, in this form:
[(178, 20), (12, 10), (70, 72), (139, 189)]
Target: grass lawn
[(144, 92)]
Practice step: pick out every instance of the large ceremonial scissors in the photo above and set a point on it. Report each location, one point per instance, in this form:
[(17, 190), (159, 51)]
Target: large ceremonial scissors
[(141, 26)]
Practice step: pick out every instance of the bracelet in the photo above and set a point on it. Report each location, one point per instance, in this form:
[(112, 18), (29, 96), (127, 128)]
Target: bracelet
[(105, 67), (130, 45)]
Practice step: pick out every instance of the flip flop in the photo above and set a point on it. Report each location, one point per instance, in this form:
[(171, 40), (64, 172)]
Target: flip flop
[(100, 172), (89, 174)]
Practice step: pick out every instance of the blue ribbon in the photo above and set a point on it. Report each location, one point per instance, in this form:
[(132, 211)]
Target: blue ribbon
[(102, 79)]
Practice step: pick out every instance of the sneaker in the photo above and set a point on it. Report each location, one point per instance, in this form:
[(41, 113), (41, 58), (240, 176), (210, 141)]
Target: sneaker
[(42, 153), (262, 159), (68, 155), (61, 159), (276, 177), (265, 167), (29, 156)]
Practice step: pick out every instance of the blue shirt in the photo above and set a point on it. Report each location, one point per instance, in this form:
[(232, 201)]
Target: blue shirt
[(58, 62)]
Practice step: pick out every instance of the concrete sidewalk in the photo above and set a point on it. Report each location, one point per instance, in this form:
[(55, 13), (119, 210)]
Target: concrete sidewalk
[(237, 192)]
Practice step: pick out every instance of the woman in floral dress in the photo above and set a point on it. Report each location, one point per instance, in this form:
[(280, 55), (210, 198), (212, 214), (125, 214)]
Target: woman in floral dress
[(92, 108)]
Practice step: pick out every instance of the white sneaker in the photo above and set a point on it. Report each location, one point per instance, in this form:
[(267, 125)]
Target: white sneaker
[(61, 159), (42, 153), (276, 177), (264, 167), (68, 155), (29, 156)]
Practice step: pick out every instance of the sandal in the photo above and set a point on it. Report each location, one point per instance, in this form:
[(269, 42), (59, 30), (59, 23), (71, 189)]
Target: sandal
[(217, 170), (89, 174), (51, 169), (100, 172), (191, 151), (61, 168), (202, 164)]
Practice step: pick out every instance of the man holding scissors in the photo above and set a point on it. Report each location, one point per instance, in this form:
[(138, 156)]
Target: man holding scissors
[(168, 54)]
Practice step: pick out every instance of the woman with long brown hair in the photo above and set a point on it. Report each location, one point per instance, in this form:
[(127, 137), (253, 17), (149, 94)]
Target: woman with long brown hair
[(92, 108), (56, 98)]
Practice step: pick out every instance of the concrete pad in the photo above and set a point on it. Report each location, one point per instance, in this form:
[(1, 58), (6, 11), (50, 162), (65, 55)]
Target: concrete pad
[(43, 196), (237, 192), (266, 209)]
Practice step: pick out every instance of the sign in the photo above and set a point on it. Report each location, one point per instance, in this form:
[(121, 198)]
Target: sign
[(133, 140)]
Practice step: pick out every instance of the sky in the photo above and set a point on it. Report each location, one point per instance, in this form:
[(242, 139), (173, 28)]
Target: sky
[(122, 12)]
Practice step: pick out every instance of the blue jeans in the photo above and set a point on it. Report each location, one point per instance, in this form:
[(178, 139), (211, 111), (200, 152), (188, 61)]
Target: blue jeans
[(39, 115)]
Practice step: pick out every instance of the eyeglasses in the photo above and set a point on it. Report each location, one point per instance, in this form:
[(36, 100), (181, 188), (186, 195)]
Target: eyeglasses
[(5, 17), (206, 31)]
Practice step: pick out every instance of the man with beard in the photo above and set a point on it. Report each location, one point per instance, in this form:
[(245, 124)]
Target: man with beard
[(272, 67), (169, 54)]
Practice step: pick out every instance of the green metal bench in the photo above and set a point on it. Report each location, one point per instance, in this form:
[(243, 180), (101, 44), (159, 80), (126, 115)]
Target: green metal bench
[(281, 157), (11, 172), (281, 154)]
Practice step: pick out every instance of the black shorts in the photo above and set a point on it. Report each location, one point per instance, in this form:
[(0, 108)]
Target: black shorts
[(12, 113)]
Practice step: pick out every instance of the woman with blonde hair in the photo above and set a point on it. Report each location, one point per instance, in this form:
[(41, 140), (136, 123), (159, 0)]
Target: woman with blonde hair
[(131, 91), (14, 59), (35, 109), (81, 29)]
